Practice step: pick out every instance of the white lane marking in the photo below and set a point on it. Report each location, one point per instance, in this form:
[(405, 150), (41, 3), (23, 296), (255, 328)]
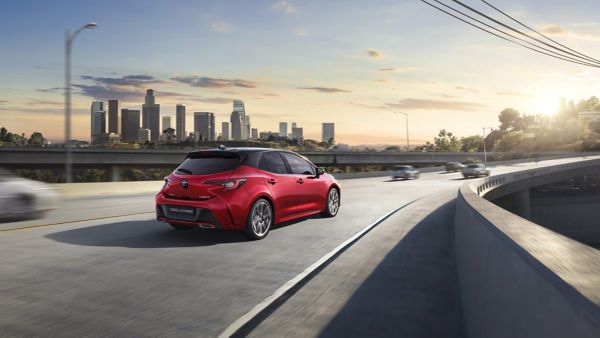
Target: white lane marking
[(260, 307)]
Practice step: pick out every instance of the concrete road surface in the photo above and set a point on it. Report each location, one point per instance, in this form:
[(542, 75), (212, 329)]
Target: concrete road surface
[(133, 276)]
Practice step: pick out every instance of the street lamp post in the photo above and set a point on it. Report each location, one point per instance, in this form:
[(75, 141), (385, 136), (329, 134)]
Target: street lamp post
[(484, 150), (69, 38), (407, 139)]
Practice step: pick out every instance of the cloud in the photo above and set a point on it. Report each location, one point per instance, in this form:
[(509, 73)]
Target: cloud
[(128, 87), (3, 101), (556, 30), (397, 69), (51, 90), (300, 32), (35, 102), (284, 6), (447, 96), (426, 104), (326, 89), (218, 100), (512, 94), (469, 89), (219, 26), (209, 82), (372, 53), (270, 94)]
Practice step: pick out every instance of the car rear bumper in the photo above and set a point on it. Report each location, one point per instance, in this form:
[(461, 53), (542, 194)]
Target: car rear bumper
[(214, 213)]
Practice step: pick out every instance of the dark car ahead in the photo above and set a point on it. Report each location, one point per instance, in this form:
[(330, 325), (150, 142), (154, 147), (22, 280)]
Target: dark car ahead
[(245, 189), (454, 166)]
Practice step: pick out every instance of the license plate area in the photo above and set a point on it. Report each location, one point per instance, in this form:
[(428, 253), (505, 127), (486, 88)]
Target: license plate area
[(181, 212)]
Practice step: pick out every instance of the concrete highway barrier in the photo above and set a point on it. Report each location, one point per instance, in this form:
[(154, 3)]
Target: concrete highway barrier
[(519, 279)]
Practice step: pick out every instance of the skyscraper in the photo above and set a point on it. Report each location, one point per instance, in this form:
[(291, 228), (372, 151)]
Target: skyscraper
[(130, 123), (225, 131), (204, 124), (297, 133), (254, 134), (328, 132), (239, 118), (283, 129), (180, 119), (166, 123), (236, 125), (143, 135), (97, 120), (151, 116), (114, 125)]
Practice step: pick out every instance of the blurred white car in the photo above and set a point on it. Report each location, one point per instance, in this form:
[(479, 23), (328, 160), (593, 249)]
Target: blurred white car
[(21, 198), (475, 170), (405, 172)]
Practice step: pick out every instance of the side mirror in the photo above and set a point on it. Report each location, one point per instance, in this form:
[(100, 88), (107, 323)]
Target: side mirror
[(320, 171)]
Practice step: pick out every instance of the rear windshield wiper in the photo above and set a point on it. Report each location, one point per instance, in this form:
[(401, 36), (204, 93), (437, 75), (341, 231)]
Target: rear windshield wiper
[(183, 170)]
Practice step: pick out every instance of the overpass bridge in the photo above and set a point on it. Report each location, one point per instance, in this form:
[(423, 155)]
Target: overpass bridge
[(116, 160), (402, 258)]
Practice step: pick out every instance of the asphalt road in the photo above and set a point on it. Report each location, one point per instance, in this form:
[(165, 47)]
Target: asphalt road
[(133, 276)]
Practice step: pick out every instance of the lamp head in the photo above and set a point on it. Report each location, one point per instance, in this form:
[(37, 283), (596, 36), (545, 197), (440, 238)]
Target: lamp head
[(91, 25)]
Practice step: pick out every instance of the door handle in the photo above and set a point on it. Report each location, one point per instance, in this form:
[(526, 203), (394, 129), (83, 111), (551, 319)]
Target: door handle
[(272, 181), (300, 180)]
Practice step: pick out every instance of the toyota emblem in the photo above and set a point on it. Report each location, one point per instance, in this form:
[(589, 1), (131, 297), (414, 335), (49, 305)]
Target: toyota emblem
[(184, 184)]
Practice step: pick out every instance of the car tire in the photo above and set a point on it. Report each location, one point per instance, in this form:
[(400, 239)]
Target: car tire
[(260, 219), (332, 203), (182, 227)]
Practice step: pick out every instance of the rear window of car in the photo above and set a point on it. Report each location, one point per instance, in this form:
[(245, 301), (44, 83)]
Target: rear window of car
[(403, 167), (472, 166), (210, 163)]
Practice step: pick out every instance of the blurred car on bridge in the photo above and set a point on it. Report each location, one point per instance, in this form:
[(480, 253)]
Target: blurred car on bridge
[(475, 170), (454, 166), (21, 198), (246, 189), (405, 172)]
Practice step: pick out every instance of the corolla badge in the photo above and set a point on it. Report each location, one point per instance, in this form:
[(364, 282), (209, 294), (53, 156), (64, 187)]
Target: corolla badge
[(184, 184)]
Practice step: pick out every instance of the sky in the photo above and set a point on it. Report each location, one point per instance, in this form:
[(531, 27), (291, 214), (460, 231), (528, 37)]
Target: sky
[(355, 63)]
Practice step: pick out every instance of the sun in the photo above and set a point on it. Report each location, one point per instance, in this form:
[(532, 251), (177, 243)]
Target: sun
[(547, 106)]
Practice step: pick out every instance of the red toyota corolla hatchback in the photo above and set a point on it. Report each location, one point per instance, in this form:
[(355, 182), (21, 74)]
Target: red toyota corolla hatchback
[(246, 189)]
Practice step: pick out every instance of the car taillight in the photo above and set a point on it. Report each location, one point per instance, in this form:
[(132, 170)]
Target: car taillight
[(167, 181), (228, 184)]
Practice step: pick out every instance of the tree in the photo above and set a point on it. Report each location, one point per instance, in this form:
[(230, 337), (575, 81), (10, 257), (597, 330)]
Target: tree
[(509, 119), (36, 139), (471, 144), (446, 141), (3, 133), (509, 141), (492, 138)]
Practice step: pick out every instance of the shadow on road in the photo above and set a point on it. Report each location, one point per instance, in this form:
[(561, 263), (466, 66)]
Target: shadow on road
[(153, 234), (413, 292), (144, 234)]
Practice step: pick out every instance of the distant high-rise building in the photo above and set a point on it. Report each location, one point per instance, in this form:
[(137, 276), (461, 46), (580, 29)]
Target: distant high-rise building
[(225, 131), (328, 132), (254, 134), (130, 123), (248, 129), (180, 120), (114, 125), (239, 113), (238, 105), (204, 124), (151, 116), (283, 129), (98, 125), (166, 123), (236, 125), (143, 135), (297, 133), (97, 120)]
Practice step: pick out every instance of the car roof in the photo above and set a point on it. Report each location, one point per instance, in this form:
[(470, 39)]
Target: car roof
[(249, 155)]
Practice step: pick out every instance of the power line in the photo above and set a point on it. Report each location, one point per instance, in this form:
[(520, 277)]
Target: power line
[(519, 32), (506, 39), (535, 31), (512, 36)]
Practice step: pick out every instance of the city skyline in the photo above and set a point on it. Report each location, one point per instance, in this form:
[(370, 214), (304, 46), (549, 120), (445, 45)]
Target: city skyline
[(307, 68)]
